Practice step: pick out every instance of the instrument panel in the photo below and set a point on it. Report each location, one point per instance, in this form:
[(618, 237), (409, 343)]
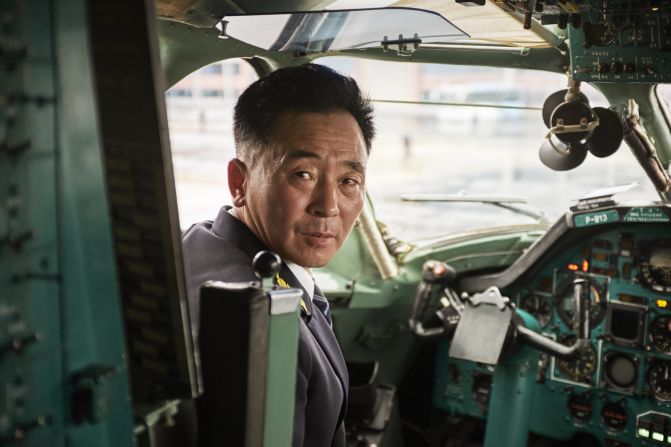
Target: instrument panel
[(619, 390)]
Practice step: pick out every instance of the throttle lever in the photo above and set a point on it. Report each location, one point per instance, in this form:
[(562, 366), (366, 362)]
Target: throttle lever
[(581, 326), (433, 272)]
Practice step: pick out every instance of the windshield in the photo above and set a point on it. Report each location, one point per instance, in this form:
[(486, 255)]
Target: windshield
[(476, 152), (479, 153), (341, 30)]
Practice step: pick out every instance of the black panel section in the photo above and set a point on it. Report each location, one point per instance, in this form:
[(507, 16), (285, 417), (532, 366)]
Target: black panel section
[(625, 323), (562, 233), (233, 343), (141, 193)]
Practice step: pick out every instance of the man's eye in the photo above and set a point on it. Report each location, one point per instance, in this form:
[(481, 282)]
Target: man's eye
[(302, 175), (348, 181)]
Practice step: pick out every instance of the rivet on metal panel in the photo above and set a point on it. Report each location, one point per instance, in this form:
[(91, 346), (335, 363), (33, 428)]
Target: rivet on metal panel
[(23, 97), (18, 344), (21, 430), (18, 278), (16, 241), (12, 52), (14, 149)]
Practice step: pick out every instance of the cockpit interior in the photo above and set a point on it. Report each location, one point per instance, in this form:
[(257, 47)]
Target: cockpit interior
[(507, 284)]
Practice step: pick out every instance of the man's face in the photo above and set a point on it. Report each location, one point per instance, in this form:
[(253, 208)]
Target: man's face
[(304, 192)]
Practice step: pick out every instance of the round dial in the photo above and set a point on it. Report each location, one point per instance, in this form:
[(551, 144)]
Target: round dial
[(614, 416), (566, 303), (580, 407), (660, 334), (482, 388), (620, 370), (659, 379), (581, 368), (655, 268), (600, 34), (539, 307)]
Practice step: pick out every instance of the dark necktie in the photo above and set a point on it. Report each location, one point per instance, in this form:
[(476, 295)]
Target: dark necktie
[(319, 300)]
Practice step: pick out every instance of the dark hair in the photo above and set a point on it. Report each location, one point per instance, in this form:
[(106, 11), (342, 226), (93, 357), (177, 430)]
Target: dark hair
[(304, 88)]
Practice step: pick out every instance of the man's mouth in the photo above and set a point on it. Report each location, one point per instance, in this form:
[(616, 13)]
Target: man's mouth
[(319, 234), (318, 238)]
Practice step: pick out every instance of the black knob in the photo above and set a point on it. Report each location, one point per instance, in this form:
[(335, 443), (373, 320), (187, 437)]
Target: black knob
[(616, 67), (603, 68), (629, 68), (266, 264), (576, 21), (436, 271), (648, 70), (562, 21)]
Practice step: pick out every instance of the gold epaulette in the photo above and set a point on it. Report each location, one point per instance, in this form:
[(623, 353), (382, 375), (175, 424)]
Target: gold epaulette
[(283, 284)]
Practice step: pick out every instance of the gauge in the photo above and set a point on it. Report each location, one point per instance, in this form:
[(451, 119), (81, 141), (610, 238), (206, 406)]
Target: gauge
[(580, 407), (580, 368), (482, 388), (655, 268), (631, 35), (453, 374), (659, 379), (566, 303), (539, 307), (614, 415), (660, 333), (620, 369), (600, 34)]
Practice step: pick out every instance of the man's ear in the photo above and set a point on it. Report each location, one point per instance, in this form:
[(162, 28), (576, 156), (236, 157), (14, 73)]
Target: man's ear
[(237, 179)]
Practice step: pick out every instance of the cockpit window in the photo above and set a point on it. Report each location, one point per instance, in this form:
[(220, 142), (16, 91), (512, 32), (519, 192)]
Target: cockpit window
[(200, 116), (341, 30), (469, 134), (472, 135)]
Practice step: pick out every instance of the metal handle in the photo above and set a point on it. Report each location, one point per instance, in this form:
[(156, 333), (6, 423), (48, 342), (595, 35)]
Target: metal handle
[(433, 272), (581, 289)]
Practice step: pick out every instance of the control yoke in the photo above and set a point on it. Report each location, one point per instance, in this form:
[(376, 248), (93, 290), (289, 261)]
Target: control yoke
[(433, 273), (581, 291), (438, 273)]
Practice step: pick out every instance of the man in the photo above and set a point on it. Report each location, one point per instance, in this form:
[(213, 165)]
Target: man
[(302, 137)]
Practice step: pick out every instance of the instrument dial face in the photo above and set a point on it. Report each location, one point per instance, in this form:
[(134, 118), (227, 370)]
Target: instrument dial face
[(482, 388), (580, 407), (581, 368), (614, 416), (539, 307), (600, 34), (655, 268), (566, 304), (659, 379), (620, 370), (660, 334)]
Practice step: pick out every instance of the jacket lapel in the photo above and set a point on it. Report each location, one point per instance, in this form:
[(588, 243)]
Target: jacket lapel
[(320, 329), (237, 233)]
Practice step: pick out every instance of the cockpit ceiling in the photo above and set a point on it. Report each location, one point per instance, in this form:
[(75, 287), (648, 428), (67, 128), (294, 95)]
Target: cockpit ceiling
[(485, 24), (488, 24)]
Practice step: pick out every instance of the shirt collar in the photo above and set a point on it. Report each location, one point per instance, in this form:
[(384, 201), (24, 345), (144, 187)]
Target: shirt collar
[(303, 276)]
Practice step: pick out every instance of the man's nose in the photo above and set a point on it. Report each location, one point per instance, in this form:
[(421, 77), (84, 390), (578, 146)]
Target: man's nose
[(324, 200)]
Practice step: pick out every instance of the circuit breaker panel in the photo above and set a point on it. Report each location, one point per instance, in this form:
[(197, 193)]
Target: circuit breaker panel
[(62, 368), (95, 340)]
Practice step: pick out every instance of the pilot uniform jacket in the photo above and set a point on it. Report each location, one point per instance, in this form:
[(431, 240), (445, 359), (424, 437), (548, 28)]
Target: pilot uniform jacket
[(223, 251)]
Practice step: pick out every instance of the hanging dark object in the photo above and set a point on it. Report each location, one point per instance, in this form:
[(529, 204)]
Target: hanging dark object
[(607, 137), (575, 128), (560, 156)]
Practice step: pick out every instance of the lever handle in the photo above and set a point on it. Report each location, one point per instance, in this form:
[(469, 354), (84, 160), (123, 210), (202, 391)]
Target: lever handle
[(266, 264), (433, 272)]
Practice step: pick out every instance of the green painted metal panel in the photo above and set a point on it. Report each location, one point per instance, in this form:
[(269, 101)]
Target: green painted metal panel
[(596, 218), (281, 378)]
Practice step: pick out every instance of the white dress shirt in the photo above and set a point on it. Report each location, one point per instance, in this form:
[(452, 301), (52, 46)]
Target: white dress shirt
[(303, 276)]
